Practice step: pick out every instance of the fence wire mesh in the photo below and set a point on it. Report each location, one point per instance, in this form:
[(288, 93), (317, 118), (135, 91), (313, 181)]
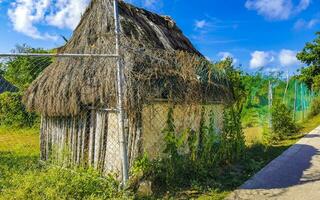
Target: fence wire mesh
[(71, 103), (68, 107)]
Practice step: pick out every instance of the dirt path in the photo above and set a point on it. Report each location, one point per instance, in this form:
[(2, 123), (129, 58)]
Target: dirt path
[(293, 175)]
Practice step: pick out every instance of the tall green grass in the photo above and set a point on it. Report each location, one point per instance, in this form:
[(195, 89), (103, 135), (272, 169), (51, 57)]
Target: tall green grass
[(23, 177)]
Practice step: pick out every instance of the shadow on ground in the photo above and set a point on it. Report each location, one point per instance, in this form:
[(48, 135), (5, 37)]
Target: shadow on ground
[(290, 169)]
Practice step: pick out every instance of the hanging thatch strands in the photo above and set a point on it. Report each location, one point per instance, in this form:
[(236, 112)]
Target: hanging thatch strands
[(168, 67)]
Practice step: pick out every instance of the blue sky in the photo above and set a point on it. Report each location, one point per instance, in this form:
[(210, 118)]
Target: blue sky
[(256, 33)]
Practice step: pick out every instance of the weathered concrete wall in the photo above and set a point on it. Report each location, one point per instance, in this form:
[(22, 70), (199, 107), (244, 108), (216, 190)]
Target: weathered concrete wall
[(154, 119)]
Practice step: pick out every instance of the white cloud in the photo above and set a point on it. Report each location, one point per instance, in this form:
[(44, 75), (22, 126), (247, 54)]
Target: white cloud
[(67, 13), (152, 3), (199, 24), (261, 59), (303, 24), (26, 15), (288, 58), (277, 9), (304, 4), (267, 59), (225, 55)]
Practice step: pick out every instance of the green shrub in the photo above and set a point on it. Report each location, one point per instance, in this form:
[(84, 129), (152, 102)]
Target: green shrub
[(283, 124), (58, 183), (315, 107), (233, 141), (13, 112)]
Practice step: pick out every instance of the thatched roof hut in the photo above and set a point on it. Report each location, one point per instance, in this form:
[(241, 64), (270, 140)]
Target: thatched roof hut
[(6, 86), (68, 84), (161, 65)]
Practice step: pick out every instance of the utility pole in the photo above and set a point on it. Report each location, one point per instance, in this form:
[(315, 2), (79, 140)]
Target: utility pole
[(120, 87)]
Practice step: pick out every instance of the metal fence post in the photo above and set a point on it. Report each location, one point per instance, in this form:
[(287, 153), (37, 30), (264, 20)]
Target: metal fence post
[(270, 99), (295, 101), (120, 87)]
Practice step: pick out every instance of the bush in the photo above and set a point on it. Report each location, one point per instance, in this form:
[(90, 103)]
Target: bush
[(283, 124), (315, 107), (13, 112), (58, 183)]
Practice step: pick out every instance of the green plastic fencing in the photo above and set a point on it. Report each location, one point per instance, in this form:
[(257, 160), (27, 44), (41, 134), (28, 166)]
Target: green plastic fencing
[(267, 90)]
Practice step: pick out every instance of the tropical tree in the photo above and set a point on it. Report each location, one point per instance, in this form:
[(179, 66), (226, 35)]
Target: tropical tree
[(21, 71), (310, 55)]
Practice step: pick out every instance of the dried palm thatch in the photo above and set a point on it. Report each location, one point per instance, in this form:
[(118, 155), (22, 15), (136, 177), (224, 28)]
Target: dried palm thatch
[(160, 63)]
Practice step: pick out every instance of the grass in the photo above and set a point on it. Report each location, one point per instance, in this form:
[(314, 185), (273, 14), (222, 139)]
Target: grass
[(310, 124), (19, 153), (21, 173), (253, 135), (23, 177)]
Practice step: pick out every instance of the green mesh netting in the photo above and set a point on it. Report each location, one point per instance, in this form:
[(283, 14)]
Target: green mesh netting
[(265, 91)]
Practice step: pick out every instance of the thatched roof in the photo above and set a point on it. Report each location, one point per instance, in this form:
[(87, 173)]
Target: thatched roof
[(166, 65), (6, 86)]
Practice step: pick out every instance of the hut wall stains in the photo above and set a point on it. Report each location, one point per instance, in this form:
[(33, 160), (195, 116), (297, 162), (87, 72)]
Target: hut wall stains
[(154, 119)]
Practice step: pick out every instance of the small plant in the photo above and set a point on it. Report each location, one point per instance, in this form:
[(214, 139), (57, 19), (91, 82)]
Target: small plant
[(232, 140), (315, 107), (282, 122)]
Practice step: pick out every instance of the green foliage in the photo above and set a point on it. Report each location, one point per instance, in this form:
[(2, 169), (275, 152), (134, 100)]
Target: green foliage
[(232, 138), (13, 113), (21, 71), (53, 183), (310, 55), (193, 157), (232, 143), (315, 107), (23, 177), (282, 122)]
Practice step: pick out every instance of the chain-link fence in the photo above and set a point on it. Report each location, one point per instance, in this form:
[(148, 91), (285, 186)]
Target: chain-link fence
[(72, 100)]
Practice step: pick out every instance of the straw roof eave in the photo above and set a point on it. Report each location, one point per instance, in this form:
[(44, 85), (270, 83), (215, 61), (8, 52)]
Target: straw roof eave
[(70, 84)]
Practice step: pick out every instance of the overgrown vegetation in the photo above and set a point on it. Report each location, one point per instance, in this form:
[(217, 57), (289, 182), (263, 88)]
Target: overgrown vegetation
[(13, 113), (20, 72), (282, 123), (23, 177), (315, 107), (199, 158), (202, 160), (310, 55)]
